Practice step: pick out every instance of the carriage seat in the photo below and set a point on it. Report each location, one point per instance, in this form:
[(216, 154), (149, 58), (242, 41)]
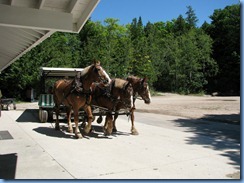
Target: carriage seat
[(46, 101)]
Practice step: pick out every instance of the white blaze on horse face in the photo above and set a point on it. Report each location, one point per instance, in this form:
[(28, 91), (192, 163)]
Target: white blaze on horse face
[(149, 94), (106, 75)]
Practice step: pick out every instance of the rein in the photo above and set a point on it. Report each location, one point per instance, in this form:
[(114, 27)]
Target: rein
[(137, 96)]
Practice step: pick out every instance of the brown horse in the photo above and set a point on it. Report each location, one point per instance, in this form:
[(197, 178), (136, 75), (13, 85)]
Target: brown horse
[(140, 88), (76, 93), (113, 97)]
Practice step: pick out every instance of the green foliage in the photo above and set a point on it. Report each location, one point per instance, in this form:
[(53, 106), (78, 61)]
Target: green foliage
[(225, 31), (191, 18), (175, 56)]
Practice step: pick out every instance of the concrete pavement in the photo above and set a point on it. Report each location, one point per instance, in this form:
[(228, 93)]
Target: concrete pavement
[(169, 151)]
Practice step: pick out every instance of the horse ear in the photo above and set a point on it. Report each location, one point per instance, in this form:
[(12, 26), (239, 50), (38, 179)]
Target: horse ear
[(143, 80), (146, 79), (96, 62)]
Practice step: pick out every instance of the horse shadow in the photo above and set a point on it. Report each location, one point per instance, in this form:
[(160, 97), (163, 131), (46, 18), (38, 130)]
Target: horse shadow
[(32, 116), (51, 132), (96, 132)]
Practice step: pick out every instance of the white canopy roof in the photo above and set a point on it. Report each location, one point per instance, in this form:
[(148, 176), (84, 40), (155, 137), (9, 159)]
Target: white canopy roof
[(59, 72), (26, 23)]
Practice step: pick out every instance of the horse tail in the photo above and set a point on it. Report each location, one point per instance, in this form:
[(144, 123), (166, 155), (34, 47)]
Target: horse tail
[(55, 98)]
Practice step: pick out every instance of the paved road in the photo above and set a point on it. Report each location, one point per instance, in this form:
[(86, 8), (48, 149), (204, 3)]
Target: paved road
[(167, 147)]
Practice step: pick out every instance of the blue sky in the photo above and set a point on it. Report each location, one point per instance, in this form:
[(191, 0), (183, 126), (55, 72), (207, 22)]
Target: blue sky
[(156, 10)]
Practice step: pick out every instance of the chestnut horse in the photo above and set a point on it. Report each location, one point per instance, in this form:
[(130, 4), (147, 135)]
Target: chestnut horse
[(113, 97), (76, 93), (140, 88)]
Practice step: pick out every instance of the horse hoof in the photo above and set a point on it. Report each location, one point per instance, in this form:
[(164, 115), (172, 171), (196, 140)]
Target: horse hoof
[(70, 130), (107, 132), (134, 132), (87, 130), (92, 130), (57, 128), (78, 136), (114, 130)]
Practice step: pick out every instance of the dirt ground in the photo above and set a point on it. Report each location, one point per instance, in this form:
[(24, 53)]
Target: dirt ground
[(225, 109)]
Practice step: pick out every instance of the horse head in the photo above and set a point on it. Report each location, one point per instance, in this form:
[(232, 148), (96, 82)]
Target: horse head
[(144, 91), (99, 74), (141, 88)]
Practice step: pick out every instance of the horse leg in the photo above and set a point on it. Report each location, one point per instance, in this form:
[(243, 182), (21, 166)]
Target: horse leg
[(133, 129), (105, 124), (87, 128), (70, 128), (78, 134), (108, 126), (57, 114), (115, 118)]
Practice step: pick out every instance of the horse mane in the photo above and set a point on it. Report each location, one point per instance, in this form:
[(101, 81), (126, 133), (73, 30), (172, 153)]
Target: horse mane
[(132, 77), (119, 83), (85, 71)]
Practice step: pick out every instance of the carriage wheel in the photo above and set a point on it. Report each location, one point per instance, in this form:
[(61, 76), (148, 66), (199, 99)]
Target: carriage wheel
[(43, 115)]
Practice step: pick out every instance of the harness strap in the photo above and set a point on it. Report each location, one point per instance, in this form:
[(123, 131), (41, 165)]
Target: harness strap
[(77, 88)]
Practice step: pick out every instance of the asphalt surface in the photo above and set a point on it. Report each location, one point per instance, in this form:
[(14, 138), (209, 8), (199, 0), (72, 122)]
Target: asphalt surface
[(167, 147)]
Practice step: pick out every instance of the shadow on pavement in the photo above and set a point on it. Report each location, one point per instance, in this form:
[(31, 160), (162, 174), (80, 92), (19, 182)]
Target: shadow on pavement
[(8, 164), (215, 135), (51, 132), (29, 115), (97, 132), (224, 118)]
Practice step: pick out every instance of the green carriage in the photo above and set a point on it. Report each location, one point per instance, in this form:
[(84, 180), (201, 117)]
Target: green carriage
[(48, 76)]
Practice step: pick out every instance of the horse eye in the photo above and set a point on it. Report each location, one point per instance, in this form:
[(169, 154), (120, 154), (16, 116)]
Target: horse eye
[(97, 70)]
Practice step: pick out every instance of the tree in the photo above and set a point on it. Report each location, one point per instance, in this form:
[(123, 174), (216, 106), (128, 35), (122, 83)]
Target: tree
[(141, 65), (175, 55), (225, 31), (191, 18), (93, 42), (180, 26)]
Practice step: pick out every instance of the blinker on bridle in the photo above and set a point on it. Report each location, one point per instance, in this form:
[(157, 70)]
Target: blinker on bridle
[(98, 69)]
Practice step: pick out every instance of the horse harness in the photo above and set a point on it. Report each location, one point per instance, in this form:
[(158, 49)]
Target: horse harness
[(77, 89), (107, 92)]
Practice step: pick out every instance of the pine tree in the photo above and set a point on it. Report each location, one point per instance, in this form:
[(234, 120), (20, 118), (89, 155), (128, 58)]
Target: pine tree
[(191, 18)]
